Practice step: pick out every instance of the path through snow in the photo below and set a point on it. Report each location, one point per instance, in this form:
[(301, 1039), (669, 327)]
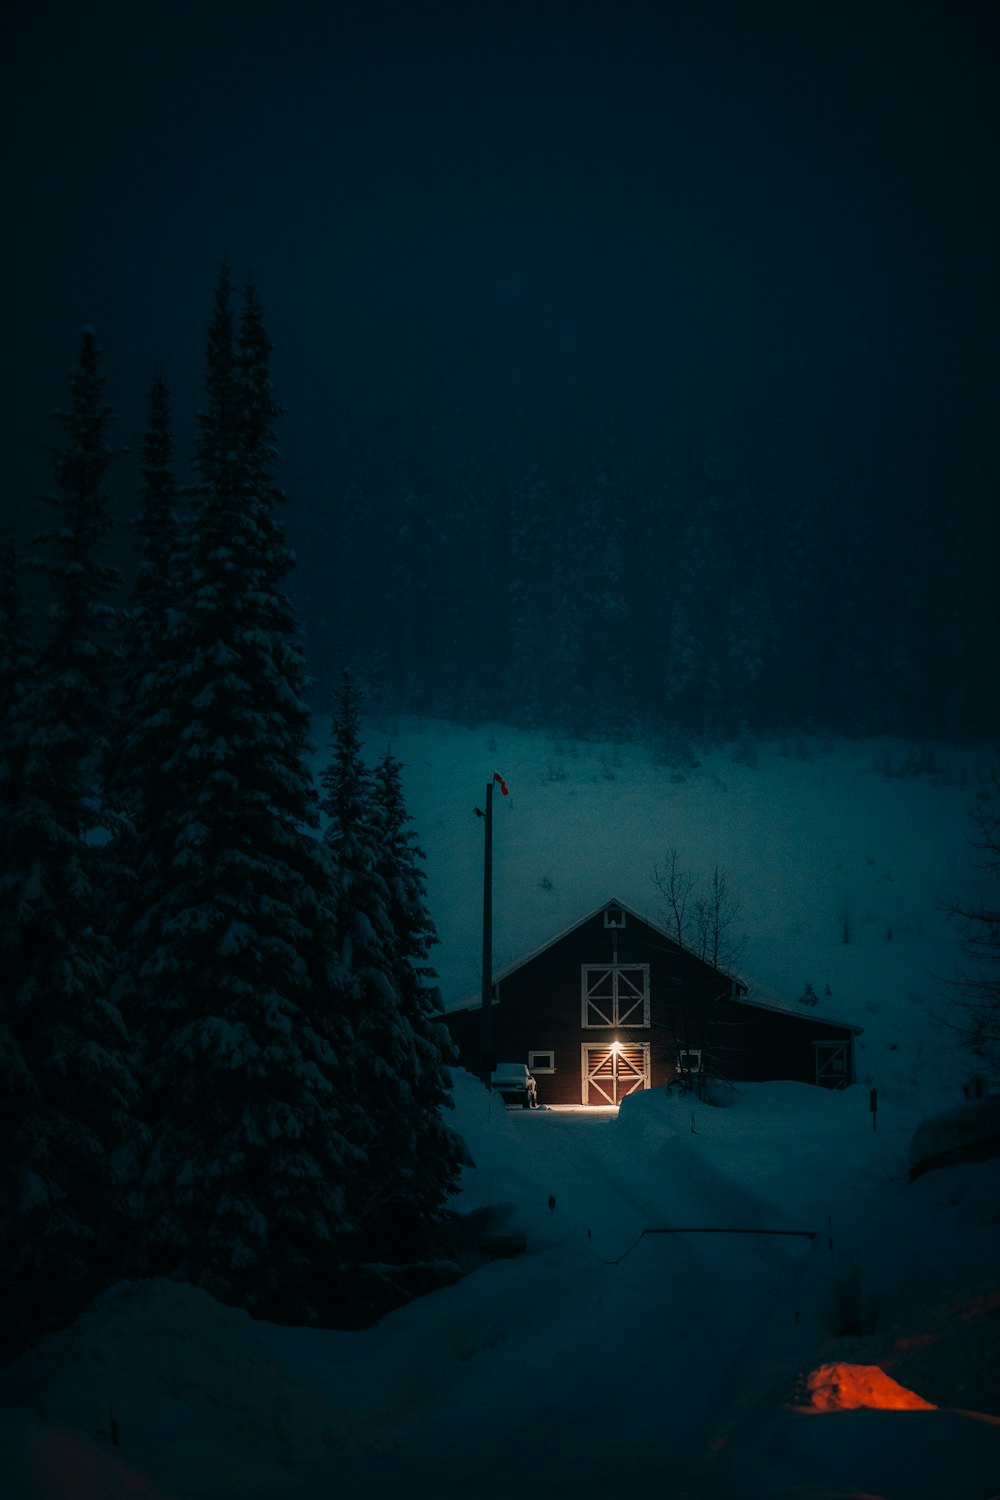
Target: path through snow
[(669, 1374)]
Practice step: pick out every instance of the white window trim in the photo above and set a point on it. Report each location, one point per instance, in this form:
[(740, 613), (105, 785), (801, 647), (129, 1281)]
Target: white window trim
[(614, 970), (534, 1052), (617, 926)]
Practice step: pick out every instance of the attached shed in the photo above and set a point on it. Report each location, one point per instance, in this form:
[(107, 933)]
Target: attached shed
[(614, 1004)]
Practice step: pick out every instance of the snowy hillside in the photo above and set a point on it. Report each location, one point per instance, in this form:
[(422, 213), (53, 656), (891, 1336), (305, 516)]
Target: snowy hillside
[(605, 1361), (807, 835)]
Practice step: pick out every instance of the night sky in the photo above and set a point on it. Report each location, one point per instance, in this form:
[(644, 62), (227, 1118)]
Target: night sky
[(518, 219)]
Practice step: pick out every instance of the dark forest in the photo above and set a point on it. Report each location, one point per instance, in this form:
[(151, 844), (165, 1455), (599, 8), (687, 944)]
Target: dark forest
[(638, 363), (616, 574)]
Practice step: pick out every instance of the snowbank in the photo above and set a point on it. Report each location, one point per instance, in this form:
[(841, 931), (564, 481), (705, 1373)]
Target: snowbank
[(671, 1369), (966, 1132)]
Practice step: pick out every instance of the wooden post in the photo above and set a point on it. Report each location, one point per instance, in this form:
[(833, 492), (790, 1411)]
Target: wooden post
[(487, 1059)]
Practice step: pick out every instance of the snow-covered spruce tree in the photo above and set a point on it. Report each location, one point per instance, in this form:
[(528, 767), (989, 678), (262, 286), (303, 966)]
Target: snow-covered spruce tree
[(15, 653), (442, 1151), (147, 666), (157, 540), (237, 994), (65, 1086), (413, 1159), (77, 662), (16, 674), (149, 620)]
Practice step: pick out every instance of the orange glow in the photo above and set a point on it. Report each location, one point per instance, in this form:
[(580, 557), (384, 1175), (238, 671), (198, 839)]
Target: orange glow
[(842, 1387)]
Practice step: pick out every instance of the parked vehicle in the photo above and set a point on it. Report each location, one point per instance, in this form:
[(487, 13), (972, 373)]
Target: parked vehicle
[(515, 1085)]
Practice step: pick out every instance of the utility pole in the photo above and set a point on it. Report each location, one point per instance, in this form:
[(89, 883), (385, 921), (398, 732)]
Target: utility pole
[(488, 1060)]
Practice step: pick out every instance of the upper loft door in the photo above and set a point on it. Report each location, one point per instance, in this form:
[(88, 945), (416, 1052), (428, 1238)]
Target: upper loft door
[(614, 995)]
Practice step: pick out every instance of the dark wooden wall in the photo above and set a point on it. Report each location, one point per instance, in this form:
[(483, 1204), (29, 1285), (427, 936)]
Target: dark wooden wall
[(691, 1005)]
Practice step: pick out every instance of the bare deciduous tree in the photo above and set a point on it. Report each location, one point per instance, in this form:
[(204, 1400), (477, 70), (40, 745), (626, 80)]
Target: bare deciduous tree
[(702, 922), (675, 886), (844, 913), (715, 914)]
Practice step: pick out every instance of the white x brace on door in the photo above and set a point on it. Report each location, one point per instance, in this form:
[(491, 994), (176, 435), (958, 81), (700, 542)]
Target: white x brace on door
[(611, 1070)]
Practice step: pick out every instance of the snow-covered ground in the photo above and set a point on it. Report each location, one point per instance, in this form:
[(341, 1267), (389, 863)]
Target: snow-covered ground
[(603, 1360)]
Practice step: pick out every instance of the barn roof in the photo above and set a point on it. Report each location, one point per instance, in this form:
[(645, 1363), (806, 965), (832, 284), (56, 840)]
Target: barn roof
[(800, 1013), (472, 1002)]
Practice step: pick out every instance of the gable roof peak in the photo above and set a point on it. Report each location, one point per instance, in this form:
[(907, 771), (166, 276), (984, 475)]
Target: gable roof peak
[(471, 1001)]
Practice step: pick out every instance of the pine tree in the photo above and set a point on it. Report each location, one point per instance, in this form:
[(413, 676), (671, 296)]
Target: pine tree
[(158, 546), (361, 925), (442, 1151), (77, 662), (236, 984), (66, 1089), (412, 1157), (148, 626), (15, 660)]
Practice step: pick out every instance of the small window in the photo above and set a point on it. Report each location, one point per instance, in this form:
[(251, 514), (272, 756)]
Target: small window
[(541, 1062), (614, 916), (689, 1060)]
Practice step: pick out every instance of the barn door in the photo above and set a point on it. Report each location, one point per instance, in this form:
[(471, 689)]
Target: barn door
[(832, 1065), (610, 1071)]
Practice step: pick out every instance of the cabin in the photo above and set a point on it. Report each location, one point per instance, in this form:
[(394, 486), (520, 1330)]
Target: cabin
[(614, 1004)]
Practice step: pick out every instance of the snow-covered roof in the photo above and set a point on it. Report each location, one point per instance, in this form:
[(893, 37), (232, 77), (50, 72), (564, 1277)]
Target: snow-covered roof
[(799, 1012)]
